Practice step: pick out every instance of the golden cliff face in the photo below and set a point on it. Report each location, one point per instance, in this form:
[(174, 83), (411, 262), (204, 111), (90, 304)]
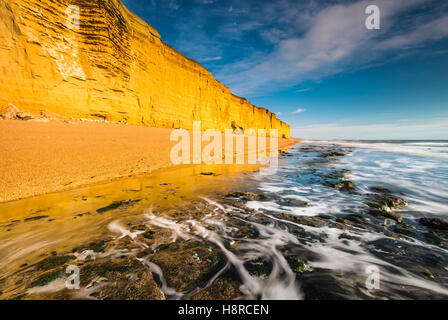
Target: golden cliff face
[(113, 67)]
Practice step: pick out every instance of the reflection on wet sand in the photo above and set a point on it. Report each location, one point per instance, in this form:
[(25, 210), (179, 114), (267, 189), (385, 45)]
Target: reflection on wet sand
[(312, 230), (55, 224)]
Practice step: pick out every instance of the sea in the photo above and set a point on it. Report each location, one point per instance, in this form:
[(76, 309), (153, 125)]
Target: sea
[(336, 220)]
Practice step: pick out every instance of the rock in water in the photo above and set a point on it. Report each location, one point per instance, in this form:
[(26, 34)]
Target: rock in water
[(434, 223)]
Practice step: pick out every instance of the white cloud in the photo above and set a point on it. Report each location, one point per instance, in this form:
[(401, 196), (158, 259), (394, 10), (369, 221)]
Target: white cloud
[(300, 110), (303, 90), (434, 30), (211, 59), (335, 41)]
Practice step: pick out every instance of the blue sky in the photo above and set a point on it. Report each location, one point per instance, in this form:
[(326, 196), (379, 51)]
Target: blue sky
[(316, 65)]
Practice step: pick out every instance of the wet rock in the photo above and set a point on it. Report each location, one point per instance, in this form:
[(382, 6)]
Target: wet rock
[(332, 154), (305, 220), (391, 234), (297, 264), (386, 202), (140, 227), (412, 257), (381, 190), (323, 285), (221, 289), (245, 231), (434, 223), (341, 185), (104, 269), (338, 175), (284, 153), (433, 238), (427, 274), (435, 259), (383, 206), (337, 179), (259, 267), (141, 286), (187, 265), (46, 278), (312, 148), (404, 231), (39, 211), (53, 262), (148, 234), (116, 205), (247, 196), (19, 296), (386, 215), (327, 217), (340, 226), (292, 203), (98, 246), (356, 218), (123, 279), (35, 218)]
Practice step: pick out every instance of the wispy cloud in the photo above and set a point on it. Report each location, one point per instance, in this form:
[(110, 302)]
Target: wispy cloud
[(207, 59), (335, 41), (267, 46), (236, 30), (303, 90), (300, 110), (174, 5), (205, 1)]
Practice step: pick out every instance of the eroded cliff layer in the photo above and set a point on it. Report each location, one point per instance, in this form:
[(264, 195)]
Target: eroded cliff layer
[(111, 66)]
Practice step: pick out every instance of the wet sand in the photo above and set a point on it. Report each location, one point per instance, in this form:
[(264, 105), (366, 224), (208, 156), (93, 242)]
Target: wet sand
[(180, 234), (61, 224), (46, 157)]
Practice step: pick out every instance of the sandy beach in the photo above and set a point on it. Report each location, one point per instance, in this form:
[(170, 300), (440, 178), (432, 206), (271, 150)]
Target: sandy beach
[(45, 157)]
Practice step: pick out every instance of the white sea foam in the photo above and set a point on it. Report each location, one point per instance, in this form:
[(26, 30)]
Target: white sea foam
[(421, 180), (421, 149), (116, 227)]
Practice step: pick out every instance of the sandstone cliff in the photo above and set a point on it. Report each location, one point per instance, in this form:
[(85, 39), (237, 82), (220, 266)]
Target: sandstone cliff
[(113, 67)]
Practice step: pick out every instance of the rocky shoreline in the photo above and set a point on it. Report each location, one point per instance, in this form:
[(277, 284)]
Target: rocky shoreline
[(220, 248)]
